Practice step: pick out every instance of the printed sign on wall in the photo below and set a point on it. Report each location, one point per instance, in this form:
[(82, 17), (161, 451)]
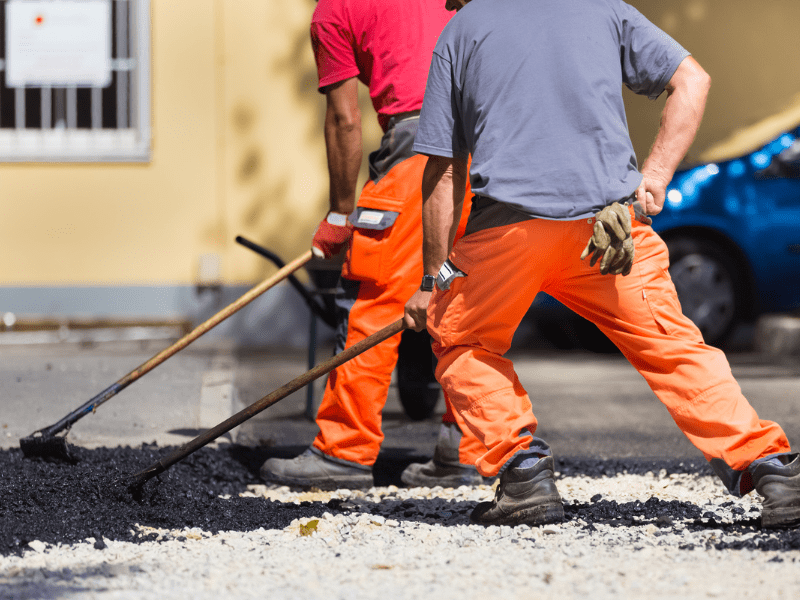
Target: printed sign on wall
[(62, 43)]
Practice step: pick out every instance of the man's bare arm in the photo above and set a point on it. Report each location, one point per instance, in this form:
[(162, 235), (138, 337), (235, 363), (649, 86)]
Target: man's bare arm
[(687, 91), (443, 187), (343, 143)]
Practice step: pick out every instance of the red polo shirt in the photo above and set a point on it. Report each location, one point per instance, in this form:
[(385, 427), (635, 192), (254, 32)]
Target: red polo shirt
[(387, 44)]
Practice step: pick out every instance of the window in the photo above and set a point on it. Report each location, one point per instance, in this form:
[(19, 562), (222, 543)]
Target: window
[(74, 122)]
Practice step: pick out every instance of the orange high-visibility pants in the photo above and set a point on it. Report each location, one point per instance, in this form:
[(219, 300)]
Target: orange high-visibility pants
[(383, 269), (473, 322)]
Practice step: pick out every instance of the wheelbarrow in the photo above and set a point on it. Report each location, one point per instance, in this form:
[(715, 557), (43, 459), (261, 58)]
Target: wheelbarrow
[(417, 387)]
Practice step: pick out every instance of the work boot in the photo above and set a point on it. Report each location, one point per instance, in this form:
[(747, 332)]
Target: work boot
[(444, 469), (315, 469), (779, 484), (526, 495), (434, 473)]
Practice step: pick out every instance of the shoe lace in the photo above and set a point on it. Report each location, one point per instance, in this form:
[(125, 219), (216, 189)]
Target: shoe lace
[(498, 493)]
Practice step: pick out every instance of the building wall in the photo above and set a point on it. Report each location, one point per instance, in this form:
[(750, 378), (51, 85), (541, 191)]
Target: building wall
[(276, 179), (749, 50), (128, 223), (238, 150)]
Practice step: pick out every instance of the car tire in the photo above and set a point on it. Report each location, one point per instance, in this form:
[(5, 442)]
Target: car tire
[(569, 331), (591, 338), (416, 382), (554, 328), (709, 286)]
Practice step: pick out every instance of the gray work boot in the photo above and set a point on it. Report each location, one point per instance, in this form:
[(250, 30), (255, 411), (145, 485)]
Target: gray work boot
[(444, 469), (526, 495), (780, 487), (315, 469)]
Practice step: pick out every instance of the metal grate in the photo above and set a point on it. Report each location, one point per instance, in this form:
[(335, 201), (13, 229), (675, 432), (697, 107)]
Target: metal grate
[(84, 123)]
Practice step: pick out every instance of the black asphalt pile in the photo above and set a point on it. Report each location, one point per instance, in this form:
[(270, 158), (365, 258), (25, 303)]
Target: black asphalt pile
[(596, 467), (65, 503), (58, 502), (665, 514)]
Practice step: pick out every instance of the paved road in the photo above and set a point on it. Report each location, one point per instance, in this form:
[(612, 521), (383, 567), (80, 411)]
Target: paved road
[(591, 405)]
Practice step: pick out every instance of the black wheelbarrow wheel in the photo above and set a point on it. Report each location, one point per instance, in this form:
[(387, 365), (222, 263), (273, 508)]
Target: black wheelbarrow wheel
[(416, 383)]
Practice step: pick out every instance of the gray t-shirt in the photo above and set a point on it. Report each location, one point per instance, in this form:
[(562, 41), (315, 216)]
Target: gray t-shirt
[(532, 89)]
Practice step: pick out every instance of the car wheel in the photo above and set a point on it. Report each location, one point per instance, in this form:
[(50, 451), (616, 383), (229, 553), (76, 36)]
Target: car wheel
[(569, 331), (591, 338), (416, 383), (708, 284)]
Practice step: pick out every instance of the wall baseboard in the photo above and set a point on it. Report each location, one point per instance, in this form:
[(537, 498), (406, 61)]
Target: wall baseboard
[(279, 317)]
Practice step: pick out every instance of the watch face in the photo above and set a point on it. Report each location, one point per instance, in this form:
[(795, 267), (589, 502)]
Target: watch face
[(427, 283)]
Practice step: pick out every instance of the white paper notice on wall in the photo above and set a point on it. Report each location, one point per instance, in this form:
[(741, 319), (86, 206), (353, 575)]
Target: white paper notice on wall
[(61, 43)]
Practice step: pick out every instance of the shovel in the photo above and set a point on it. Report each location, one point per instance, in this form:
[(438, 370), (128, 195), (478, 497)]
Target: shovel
[(139, 479), (45, 443)]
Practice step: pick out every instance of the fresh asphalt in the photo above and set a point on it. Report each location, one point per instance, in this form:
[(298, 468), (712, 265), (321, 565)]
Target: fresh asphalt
[(588, 405)]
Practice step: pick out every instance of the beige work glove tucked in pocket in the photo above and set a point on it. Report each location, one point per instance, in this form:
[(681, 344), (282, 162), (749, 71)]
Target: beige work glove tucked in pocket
[(611, 241)]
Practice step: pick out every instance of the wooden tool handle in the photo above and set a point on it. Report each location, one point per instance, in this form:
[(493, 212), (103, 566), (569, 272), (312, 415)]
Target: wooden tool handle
[(321, 369)]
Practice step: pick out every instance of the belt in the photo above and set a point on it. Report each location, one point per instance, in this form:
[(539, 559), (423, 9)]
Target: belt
[(403, 116), (406, 115)]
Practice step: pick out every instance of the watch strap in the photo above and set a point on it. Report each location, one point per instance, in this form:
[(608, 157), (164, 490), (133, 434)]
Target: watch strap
[(338, 219)]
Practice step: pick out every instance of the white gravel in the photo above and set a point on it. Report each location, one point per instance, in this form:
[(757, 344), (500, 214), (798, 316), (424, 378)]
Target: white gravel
[(360, 555)]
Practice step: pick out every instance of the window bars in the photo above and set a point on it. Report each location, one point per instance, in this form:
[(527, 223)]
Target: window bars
[(50, 123)]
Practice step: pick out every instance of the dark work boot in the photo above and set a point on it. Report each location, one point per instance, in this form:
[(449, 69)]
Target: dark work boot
[(780, 487), (525, 496), (434, 473), (445, 469), (315, 469)]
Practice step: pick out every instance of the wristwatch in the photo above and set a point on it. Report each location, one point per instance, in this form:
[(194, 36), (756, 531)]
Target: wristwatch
[(427, 283), (337, 219)]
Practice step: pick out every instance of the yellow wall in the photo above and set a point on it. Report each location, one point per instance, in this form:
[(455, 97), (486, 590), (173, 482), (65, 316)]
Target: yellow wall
[(276, 179), (128, 223), (237, 141), (749, 49)]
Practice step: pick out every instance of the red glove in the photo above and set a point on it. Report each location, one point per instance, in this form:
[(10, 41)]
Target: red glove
[(331, 236)]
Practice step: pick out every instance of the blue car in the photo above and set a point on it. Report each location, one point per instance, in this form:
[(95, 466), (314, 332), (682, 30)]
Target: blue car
[(733, 232)]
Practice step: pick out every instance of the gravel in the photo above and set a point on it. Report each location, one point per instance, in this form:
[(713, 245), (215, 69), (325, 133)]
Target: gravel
[(209, 529)]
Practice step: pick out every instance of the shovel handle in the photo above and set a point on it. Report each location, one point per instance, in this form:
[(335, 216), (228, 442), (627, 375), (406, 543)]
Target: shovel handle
[(329, 365), (176, 347), (327, 316)]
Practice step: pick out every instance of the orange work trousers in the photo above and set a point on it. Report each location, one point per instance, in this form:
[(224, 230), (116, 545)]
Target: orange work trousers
[(384, 268), (473, 322)]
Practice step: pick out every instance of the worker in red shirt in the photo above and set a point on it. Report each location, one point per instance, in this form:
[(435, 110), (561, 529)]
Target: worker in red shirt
[(387, 45)]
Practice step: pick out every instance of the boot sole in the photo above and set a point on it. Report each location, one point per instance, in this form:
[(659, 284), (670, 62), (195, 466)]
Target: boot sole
[(781, 518), (328, 485), (447, 481), (543, 514)]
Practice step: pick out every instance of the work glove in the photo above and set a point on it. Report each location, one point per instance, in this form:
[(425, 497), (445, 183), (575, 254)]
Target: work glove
[(332, 235), (611, 241)]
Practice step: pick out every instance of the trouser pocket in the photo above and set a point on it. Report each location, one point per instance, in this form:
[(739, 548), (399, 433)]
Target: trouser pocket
[(370, 253)]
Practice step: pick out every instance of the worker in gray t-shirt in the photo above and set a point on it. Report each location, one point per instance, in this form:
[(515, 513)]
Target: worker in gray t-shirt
[(535, 87), (532, 90)]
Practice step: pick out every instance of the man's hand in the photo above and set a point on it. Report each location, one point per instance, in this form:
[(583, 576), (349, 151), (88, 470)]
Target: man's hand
[(333, 233), (651, 194), (416, 311), (611, 240)]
